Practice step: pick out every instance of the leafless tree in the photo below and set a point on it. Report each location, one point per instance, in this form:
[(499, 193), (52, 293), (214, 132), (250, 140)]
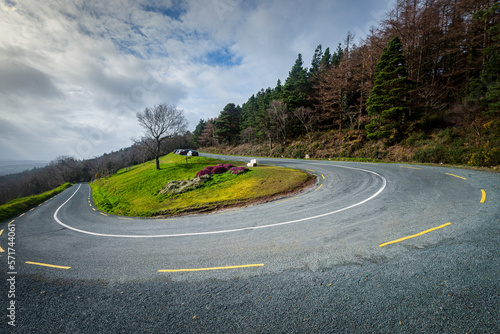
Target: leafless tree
[(308, 119), (161, 122), (278, 114)]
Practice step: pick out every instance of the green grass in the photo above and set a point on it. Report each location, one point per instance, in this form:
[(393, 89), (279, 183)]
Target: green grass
[(134, 191), (23, 204)]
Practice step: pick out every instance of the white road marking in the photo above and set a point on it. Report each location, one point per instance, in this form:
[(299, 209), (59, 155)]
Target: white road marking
[(384, 183)]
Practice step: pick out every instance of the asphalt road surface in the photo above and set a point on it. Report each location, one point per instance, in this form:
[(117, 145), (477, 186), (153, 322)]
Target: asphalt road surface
[(370, 248)]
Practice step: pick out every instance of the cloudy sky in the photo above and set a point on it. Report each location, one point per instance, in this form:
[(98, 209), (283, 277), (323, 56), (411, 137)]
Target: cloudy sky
[(74, 73)]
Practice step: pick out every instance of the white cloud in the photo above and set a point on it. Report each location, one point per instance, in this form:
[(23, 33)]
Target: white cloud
[(74, 73)]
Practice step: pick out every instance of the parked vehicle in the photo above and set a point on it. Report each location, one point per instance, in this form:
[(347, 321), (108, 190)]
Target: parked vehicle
[(191, 153)]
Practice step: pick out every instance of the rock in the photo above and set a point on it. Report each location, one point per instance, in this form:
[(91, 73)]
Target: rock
[(252, 163)]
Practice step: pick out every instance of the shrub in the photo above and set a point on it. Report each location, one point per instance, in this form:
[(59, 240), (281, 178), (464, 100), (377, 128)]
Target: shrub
[(238, 170), (207, 171), (219, 169), (210, 170)]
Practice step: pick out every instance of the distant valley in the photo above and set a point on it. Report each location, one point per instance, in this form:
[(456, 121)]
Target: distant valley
[(18, 166)]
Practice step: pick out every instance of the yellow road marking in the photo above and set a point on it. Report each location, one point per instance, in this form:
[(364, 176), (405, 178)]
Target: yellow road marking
[(22, 215), (12, 221), (32, 209), (323, 176), (90, 204), (483, 197), (414, 235), (48, 265), (102, 213), (213, 268), (94, 209), (321, 185), (410, 167), (463, 178), (310, 170), (125, 218), (286, 200), (1, 249)]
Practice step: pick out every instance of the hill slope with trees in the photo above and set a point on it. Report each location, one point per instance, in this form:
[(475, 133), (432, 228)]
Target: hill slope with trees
[(423, 86)]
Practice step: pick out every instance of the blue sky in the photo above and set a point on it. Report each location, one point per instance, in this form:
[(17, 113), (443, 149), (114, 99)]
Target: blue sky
[(73, 74)]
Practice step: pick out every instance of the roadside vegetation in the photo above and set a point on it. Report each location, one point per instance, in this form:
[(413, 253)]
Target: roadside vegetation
[(144, 191), (446, 146), (23, 204)]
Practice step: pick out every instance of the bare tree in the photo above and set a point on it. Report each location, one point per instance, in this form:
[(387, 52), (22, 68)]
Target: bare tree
[(278, 114), (162, 122), (308, 119)]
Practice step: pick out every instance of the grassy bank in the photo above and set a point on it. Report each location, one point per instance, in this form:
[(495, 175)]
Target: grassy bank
[(135, 191), (23, 204)]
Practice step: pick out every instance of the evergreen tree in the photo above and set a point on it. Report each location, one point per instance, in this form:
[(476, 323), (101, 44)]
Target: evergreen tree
[(388, 101), (296, 88), (337, 56), (197, 132), (249, 111), (326, 60), (316, 61), (228, 124), (278, 90), (486, 88)]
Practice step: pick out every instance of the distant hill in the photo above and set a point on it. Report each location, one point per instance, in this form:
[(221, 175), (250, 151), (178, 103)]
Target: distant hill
[(18, 166)]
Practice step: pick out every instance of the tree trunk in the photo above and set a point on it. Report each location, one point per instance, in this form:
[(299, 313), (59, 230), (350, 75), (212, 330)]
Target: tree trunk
[(157, 158)]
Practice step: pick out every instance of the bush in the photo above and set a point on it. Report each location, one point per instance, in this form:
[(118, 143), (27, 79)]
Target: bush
[(206, 171), (210, 170), (220, 169), (485, 157), (238, 170)]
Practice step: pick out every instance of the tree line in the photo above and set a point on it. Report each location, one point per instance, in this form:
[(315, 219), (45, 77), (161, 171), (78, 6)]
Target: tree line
[(430, 64), (69, 169)]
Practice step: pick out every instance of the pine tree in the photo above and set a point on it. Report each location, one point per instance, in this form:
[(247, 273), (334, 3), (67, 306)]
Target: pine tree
[(197, 132), (337, 56), (296, 88), (388, 102), (228, 124), (316, 61), (326, 60)]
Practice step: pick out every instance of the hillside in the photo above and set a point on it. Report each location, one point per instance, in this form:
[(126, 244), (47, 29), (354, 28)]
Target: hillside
[(423, 86), (447, 146), (140, 190)]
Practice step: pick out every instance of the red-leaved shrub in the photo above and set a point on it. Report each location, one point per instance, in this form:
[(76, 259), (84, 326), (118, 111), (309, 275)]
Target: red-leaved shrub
[(238, 170), (219, 169)]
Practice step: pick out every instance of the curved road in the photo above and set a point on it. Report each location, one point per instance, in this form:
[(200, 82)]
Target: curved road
[(369, 248)]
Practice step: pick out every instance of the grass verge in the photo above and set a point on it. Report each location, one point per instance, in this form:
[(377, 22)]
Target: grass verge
[(23, 204), (134, 191)]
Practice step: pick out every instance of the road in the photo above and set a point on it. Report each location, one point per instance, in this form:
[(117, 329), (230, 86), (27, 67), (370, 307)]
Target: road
[(389, 248)]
